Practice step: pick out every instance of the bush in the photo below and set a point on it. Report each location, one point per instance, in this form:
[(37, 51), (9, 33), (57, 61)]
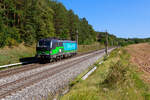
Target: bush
[(116, 75)]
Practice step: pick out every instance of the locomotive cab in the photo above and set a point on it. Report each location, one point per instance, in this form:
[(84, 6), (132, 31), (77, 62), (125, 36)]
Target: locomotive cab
[(43, 49)]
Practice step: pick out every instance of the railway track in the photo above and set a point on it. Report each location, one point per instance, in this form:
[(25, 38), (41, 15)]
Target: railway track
[(17, 85), (12, 71)]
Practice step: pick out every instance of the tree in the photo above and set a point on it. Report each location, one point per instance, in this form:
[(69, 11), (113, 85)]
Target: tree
[(73, 24), (60, 21)]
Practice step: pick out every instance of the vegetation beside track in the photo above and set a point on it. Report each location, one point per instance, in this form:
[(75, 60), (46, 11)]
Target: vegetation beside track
[(115, 79), (15, 54), (88, 48)]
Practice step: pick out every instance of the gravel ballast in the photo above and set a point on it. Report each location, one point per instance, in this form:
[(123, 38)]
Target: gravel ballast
[(34, 71), (51, 85)]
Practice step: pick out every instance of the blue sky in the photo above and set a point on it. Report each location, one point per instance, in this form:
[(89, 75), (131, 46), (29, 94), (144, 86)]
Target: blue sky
[(123, 18)]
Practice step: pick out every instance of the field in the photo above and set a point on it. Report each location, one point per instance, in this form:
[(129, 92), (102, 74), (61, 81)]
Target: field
[(120, 77), (19, 53), (140, 56)]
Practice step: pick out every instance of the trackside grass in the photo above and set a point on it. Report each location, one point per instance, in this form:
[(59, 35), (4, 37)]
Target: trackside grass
[(92, 47), (14, 54), (115, 79)]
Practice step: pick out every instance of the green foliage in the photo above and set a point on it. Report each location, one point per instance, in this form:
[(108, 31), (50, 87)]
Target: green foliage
[(12, 36), (30, 20), (86, 33), (14, 54), (60, 20), (73, 24)]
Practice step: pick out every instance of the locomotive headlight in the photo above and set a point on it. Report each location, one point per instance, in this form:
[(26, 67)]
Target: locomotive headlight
[(50, 51)]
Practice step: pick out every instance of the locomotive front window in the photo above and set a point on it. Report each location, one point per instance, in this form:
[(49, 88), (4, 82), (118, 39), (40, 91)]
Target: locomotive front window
[(44, 43)]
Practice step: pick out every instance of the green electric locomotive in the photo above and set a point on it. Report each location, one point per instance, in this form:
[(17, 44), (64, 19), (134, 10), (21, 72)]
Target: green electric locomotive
[(53, 49)]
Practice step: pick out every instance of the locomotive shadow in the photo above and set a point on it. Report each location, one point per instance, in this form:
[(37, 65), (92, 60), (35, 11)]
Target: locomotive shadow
[(29, 60), (32, 60)]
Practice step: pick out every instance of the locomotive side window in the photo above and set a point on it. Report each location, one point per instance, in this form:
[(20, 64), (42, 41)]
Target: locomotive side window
[(57, 44), (60, 44), (54, 45)]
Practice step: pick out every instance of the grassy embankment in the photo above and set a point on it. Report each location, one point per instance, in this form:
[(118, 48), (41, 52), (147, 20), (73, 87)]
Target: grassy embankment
[(13, 54), (115, 79)]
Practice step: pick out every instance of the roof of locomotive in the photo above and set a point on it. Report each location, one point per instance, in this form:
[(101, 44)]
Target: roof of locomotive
[(66, 41), (56, 39), (48, 39)]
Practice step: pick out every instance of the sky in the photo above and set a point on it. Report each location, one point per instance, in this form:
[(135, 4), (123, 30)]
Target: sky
[(123, 18)]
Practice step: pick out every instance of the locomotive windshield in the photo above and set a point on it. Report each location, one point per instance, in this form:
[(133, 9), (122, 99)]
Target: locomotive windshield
[(44, 44)]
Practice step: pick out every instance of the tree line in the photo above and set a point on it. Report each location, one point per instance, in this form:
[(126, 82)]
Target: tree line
[(30, 20), (115, 41)]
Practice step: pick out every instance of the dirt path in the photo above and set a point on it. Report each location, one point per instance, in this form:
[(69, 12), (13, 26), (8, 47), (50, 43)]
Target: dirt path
[(140, 55)]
